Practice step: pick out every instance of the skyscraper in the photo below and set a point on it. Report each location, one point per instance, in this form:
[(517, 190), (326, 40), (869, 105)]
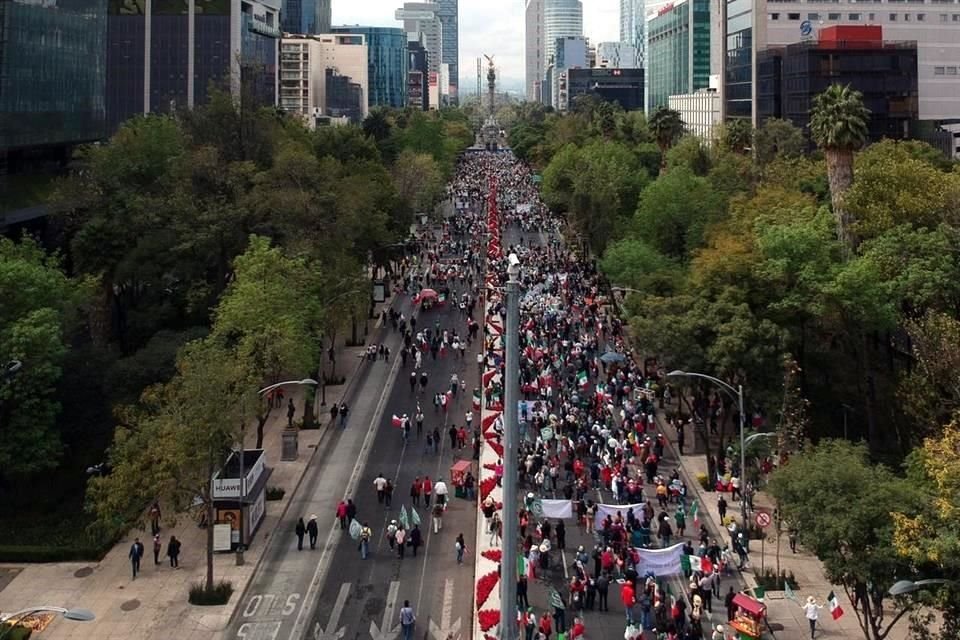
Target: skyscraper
[(450, 47), (300, 16), (561, 18), (534, 49), (422, 22), (632, 24), (386, 64)]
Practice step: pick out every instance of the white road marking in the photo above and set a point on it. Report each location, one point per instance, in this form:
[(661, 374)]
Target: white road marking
[(385, 632), (445, 629), (332, 632)]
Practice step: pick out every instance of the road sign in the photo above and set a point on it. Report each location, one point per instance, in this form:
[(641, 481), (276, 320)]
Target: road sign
[(762, 519)]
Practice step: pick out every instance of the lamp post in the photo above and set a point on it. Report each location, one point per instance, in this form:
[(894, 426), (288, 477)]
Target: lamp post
[(508, 564), (242, 455), (12, 619), (903, 587), (10, 369), (626, 290), (738, 394)]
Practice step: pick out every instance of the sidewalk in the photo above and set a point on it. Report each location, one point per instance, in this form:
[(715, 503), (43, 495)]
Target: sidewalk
[(808, 570), (155, 604)]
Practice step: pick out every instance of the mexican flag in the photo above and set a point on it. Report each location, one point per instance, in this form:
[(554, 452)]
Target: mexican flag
[(703, 565), (488, 376), (476, 400), (582, 379), (695, 513), (835, 610)]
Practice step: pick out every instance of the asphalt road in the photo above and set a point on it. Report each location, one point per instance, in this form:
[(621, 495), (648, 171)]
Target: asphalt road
[(331, 592)]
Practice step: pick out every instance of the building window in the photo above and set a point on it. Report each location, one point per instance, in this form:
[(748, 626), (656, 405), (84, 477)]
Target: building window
[(813, 16), (938, 71), (893, 17), (855, 17), (956, 17), (833, 16), (774, 16), (951, 71), (944, 17), (871, 17), (796, 16), (921, 17)]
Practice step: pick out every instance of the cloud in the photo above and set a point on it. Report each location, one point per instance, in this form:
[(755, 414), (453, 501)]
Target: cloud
[(492, 27)]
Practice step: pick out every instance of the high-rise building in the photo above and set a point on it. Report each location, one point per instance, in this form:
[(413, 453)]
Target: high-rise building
[(616, 55), (678, 51), (623, 86), (386, 64), (160, 58), (572, 52), (885, 73), (534, 49), (632, 25), (743, 35), (305, 16), (700, 112), (449, 14), (561, 18), (422, 22), (324, 76), (53, 61), (417, 76)]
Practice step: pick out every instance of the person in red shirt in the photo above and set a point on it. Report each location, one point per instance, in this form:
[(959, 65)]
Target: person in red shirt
[(546, 625), (628, 598), (578, 629), (606, 559), (427, 490)]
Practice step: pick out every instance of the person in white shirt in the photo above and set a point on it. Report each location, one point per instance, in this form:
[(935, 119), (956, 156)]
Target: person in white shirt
[(811, 611), (440, 490), (380, 484)]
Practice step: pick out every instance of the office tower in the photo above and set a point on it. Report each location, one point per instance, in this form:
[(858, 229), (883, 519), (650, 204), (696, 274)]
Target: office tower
[(422, 22), (450, 20), (632, 22), (534, 49), (53, 59), (616, 55), (324, 76), (678, 51), (306, 17), (561, 18), (417, 76), (386, 64), (571, 52), (163, 59), (623, 86)]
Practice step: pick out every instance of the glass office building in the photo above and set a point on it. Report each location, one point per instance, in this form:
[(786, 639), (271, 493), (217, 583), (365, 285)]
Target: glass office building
[(52, 73), (561, 18), (632, 27), (678, 53), (450, 47), (738, 49), (306, 17), (386, 62)]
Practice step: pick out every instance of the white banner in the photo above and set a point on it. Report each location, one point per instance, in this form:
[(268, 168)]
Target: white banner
[(660, 562), (604, 510), (557, 508)]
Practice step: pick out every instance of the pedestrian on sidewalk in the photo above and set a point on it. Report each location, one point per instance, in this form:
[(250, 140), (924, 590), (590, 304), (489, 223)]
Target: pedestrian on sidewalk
[(301, 530), (440, 489), (427, 490), (278, 397), (155, 518), (365, 534), (728, 603), (342, 515), (343, 415), (415, 539), (722, 508), (351, 510), (461, 547), (407, 620), (173, 552), (495, 529), (291, 410), (334, 412), (415, 490), (157, 546), (437, 517), (136, 553), (811, 611), (401, 539), (388, 493), (312, 531)]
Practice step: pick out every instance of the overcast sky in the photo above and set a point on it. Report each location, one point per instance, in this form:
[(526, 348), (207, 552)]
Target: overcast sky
[(494, 27)]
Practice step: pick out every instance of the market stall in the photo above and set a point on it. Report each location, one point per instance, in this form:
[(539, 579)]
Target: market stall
[(458, 474), (749, 618)]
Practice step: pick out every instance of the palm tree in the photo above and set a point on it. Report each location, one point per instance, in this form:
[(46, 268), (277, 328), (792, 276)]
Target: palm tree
[(838, 124), (666, 126), (736, 135)]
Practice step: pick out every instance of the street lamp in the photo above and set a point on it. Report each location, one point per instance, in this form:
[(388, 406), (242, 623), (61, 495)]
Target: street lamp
[(738, 394), (508, 582), (10, 369), (756, 436), (903, 587), (626, 290), (12, 619)]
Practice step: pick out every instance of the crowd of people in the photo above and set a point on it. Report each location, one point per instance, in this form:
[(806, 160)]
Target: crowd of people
[(588, 423)]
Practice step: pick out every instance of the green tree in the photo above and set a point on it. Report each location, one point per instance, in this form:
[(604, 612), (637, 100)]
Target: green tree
[(636, 265), (674, 212), (692, 153), (666, 127), (735, 135), (269, 317), (777, 138), (168, 448), (841, 505), (418, 180), (838, 124), (38, 314)]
